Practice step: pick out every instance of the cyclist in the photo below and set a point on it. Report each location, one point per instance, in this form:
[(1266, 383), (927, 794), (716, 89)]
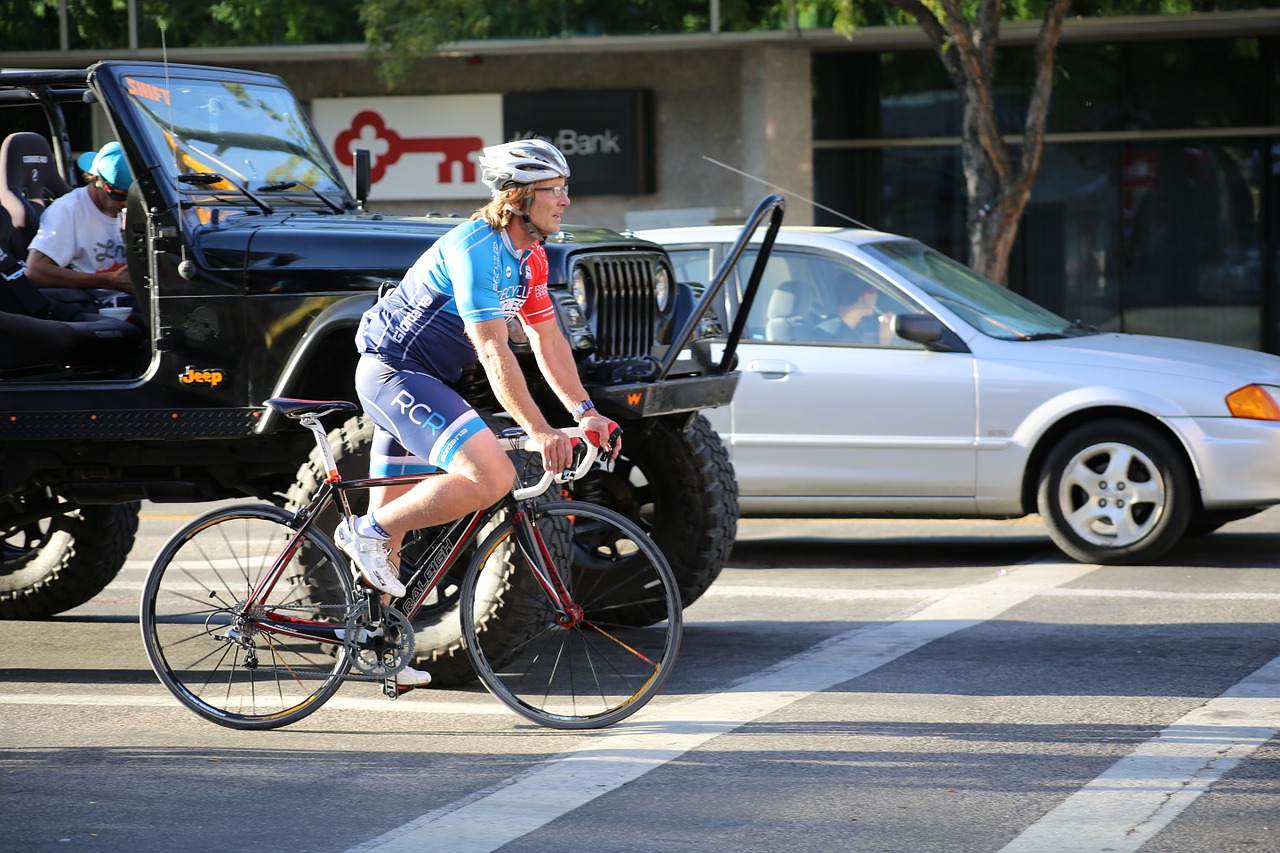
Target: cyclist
[(450, 310)]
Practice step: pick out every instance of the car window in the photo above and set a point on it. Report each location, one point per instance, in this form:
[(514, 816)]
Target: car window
[(692, 265), (988, 307), (819, 299)]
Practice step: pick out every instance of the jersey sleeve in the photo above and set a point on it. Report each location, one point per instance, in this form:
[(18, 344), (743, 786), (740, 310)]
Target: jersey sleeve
[(537, 307), (475, 273)]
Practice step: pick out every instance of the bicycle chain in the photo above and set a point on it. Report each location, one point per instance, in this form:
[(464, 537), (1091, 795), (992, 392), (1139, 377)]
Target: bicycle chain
[(376, 664)]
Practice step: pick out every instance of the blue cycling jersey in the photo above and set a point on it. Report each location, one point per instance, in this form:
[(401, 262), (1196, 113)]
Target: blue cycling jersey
[(470, 275)]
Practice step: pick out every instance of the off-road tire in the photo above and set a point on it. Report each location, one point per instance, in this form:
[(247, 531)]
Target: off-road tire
[(62, 561), (677, 483)]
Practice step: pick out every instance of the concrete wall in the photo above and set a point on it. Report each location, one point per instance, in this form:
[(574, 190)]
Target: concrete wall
[(746, 106)]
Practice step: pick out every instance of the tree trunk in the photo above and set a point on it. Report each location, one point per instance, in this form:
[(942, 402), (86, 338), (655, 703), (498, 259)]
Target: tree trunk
[(998, 183)]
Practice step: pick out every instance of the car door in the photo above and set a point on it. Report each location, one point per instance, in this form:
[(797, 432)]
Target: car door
[(824, 415)]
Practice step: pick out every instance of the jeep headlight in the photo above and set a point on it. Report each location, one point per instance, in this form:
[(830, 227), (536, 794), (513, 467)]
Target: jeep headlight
[(578, 287), (662, 288)]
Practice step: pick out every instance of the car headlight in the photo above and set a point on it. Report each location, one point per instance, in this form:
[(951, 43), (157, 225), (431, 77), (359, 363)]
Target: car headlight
[(578, 287), (1259, 402), (662, 288)]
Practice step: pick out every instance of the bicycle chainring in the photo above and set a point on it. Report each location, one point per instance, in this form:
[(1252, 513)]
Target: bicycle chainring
[(382, 651)]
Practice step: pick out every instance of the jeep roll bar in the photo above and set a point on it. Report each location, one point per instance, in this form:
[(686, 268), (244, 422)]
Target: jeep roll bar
[(772, 205)]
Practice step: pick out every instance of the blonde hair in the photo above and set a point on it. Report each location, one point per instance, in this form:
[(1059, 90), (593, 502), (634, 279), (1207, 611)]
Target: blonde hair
[(498, 211)]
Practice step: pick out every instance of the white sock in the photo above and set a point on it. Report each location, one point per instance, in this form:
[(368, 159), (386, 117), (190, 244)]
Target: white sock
[(366, 525)]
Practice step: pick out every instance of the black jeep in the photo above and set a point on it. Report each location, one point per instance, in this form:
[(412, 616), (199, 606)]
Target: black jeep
[(253, 263)]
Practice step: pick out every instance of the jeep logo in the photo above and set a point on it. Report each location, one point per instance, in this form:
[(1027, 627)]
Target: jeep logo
[(192, 376)]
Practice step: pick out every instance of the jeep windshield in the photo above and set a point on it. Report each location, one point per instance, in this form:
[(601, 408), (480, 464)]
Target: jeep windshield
[(991, 309), (224, 141)]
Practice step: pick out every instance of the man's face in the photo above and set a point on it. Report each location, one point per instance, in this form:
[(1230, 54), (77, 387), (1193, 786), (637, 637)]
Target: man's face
[(547, 206), (111, 199)]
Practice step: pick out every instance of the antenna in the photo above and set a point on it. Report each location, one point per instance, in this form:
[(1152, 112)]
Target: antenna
[(186, 268), (788, 192)]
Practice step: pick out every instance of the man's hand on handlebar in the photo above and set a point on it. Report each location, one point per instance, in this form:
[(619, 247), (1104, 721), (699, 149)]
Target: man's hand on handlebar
[(554, 446), (608, 433)]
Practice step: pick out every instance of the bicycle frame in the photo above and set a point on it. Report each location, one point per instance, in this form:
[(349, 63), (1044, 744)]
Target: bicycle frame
[(427, 575)]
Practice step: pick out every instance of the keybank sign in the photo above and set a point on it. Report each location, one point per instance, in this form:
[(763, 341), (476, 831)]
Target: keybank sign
[(426, 147), (607, 137)]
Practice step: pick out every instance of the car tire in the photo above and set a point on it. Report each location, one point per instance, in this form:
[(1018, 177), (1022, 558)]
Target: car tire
[(1115, 492), (51, 564)]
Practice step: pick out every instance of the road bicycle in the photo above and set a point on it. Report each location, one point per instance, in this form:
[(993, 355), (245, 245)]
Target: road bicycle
[(570, 615)]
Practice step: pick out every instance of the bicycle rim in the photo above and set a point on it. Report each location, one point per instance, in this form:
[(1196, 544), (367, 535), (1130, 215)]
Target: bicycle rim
[(203, 645), (599, 670)]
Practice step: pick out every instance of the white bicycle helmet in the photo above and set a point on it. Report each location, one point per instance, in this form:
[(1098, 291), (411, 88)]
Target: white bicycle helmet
[(525, 161)]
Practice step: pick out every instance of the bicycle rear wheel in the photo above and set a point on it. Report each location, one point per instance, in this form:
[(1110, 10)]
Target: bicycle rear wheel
[(212, 653), (596, 670)]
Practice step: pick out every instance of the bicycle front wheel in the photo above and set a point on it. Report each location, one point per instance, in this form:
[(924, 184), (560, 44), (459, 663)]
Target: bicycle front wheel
[(586, 668), (207, 642)]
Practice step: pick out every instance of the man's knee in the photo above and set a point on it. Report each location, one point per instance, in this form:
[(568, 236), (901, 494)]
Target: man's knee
[(497, 480)]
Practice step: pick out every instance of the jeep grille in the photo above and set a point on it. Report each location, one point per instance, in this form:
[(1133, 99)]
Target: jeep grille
[(622, 311)]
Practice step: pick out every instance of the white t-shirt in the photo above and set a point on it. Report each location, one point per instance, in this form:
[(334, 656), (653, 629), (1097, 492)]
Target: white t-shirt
[(74, 233)]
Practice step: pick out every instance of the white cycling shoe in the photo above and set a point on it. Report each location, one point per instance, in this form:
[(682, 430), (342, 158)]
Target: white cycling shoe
[(369, 555), (410, 677)]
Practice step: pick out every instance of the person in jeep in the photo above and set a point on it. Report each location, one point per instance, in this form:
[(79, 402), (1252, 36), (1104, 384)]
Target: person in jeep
[(79, 243), (450, 310)]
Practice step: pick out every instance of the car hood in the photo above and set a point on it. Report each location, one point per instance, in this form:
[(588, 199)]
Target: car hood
[(1169, 356)]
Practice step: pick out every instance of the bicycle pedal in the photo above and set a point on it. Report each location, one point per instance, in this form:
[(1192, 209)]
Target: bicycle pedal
[(390, 689)]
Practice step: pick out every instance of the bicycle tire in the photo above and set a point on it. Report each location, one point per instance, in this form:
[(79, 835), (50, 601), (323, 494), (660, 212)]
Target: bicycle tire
[(600, 670), (194, 594)]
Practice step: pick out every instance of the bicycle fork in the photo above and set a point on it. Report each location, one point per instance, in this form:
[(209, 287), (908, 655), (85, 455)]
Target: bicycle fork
[(533, 547)]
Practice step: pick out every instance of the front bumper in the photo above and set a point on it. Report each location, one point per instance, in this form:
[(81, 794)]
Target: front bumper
[(668, 396), (1237, 460)]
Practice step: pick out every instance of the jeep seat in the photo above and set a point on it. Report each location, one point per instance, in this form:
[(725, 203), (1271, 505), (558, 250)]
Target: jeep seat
[(104, 344), (29, 180)]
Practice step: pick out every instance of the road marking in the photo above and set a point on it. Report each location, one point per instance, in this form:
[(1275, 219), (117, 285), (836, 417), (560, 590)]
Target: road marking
[(1142, 793), (415, 703), (730, 591), (606, 760)]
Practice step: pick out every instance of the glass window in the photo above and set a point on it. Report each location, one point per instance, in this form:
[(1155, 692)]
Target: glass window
[(811, 298), (692, 265), (1200, 83), (245, 134), (1191, 239), (1069, 254), (916, 192)]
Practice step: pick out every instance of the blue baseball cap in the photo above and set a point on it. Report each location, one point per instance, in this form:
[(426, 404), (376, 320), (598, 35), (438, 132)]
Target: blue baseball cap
[(109, 164)]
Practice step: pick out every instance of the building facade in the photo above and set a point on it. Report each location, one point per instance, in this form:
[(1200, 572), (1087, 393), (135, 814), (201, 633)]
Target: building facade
[(1156, 210)]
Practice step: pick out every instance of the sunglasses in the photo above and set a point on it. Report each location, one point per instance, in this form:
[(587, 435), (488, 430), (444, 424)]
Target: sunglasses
[(113, 193), (556, 192)]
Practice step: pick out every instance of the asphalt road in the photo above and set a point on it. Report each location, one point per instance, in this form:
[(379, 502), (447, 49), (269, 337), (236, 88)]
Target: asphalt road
[(853, 686)]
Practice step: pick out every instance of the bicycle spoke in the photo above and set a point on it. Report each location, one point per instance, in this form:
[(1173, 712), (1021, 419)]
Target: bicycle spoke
[(602, 666), (224, 660)]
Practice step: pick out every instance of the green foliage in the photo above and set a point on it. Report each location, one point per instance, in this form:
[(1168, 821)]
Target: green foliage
[(104, 24)]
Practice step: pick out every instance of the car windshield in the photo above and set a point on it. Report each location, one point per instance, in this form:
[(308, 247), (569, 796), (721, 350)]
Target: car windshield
[(248, 135), (991, 309)]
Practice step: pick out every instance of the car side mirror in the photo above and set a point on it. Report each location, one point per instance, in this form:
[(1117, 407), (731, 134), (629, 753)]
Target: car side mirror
[(927, 330)]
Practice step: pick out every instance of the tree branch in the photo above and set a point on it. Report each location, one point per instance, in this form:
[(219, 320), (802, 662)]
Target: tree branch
[(1041, 90)]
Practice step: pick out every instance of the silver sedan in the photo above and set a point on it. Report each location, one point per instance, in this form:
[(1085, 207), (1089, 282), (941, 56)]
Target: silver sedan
[(882, 379)]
